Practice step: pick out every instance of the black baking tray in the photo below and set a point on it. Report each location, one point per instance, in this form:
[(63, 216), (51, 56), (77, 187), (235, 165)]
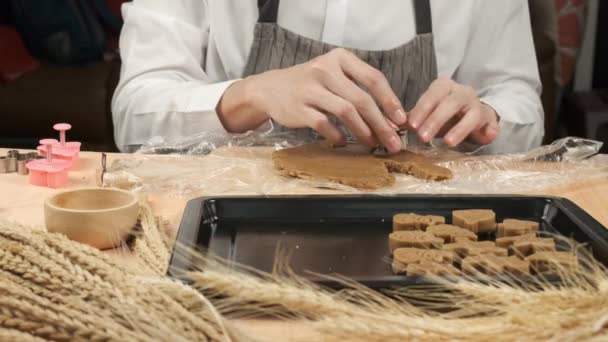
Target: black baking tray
[(347, 235)]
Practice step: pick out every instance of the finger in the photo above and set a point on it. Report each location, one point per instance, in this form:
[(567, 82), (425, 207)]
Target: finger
[(485, 135), (429, 101), (448, 107), (392, 124), (376, 83), (330, 103), (321, 123), (368, 110), (469, 123)]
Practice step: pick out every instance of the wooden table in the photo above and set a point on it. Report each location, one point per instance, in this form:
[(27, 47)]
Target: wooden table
[(24, 203)]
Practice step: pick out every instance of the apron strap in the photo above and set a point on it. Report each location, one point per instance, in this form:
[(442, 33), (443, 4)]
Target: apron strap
[(268, 11), (424, 21)]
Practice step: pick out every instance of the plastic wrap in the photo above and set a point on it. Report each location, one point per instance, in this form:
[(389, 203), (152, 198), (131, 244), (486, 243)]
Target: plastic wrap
[(241, 164)]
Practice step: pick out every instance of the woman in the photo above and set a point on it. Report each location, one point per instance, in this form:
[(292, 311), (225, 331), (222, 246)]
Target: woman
[(463, 70)]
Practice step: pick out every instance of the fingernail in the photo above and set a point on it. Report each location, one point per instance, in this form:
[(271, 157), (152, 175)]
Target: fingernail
[(414, 124), (394, 144), (400, 115)]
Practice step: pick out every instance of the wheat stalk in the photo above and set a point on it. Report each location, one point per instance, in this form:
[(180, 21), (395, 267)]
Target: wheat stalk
[(56, 289), (480, 308)]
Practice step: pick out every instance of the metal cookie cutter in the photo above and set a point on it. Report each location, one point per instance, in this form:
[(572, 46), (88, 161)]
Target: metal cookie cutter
[(15, 162)]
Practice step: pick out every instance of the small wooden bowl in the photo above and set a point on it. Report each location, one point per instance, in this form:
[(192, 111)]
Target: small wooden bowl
[(100, 217)]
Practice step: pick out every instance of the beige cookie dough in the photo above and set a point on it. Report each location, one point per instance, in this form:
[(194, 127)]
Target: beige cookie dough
[(415, 222), (531, 245), (353, 167), (402, 257), (414, 239), (492, 265), (513, 227), (553, 262), (450, 233), (475, 220), (473, 248), (508, 241)]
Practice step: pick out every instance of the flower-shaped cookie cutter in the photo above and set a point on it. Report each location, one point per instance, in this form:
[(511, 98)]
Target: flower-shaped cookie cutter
[(62, 149), (49, 172)]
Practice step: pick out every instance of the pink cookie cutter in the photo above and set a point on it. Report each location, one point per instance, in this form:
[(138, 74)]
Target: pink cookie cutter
[(49, 172), (64, 150)]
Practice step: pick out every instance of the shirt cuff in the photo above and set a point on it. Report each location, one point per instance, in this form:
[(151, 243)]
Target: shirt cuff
[(208, 103)]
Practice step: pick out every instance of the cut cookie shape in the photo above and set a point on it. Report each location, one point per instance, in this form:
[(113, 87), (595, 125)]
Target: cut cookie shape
[(531, 245), (415, 222), (466, 248), (352, 167), (475, 220), (492, 265), (450, 233), (430, 268), (413, 239), (513, 227), (402, 257), (508, 241), (552, 262)]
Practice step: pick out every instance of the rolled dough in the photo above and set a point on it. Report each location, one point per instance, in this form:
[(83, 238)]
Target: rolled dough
[(353, 165)]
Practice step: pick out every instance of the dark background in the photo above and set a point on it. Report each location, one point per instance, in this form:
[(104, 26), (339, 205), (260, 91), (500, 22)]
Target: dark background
[(600, 75)]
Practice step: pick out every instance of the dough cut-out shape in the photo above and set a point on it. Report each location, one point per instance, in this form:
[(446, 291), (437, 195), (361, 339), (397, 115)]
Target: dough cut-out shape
[(473, 248), (353, 166), (513, 227), (508, 241), (476, 220), (525, 247), (430, 268), (402, 257), (450, 233), (413, 239), (415, 222), (552, 262), (492, 265)]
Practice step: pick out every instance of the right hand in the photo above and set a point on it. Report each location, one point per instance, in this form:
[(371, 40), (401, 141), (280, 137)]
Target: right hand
[(304, 95)]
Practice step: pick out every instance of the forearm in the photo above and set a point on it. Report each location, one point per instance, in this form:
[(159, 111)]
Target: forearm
[(156, 107)]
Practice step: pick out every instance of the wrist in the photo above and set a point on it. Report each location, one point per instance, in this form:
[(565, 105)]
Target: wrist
[(240, 108)]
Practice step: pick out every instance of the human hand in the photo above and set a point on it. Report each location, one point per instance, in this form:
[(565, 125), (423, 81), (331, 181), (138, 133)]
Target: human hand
[(456, 109), (304, 95)]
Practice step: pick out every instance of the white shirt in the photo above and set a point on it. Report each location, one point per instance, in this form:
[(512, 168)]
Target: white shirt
[(166, 90)]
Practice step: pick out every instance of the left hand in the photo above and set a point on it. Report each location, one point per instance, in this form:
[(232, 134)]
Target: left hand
[(455, 108)]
